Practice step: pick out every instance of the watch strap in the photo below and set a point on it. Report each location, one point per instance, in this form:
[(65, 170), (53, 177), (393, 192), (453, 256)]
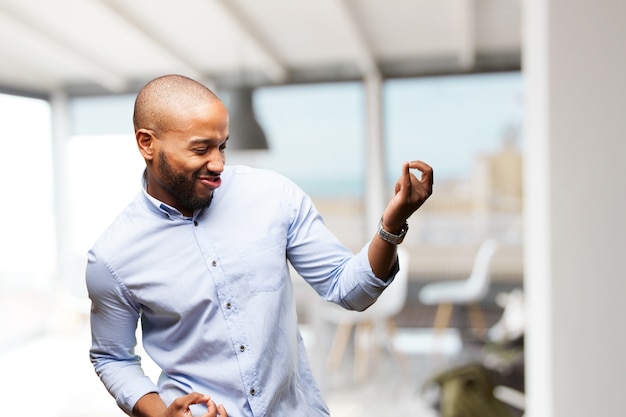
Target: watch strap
[(390, 237)]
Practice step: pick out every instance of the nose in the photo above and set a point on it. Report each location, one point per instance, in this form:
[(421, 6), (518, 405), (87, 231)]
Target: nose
[(216, 161)]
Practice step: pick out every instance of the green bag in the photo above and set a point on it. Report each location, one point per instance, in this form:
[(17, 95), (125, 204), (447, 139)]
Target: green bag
[(467, 391)]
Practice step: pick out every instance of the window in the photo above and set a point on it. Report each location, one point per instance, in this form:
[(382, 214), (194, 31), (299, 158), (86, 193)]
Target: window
[(27, 242)]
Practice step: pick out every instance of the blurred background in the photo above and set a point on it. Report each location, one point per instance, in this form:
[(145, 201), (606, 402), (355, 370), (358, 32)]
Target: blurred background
[(336, 94)]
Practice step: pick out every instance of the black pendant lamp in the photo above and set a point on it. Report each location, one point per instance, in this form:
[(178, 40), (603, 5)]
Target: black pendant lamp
[(245, 131)]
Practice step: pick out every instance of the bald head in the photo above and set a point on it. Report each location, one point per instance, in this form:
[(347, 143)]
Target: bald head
[(162, 100)]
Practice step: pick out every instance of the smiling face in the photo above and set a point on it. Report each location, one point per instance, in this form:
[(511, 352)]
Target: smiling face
[(188, 161), (184, 152)]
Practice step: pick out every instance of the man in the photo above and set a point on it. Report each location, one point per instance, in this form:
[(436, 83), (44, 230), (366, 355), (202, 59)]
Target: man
[(200, 258)]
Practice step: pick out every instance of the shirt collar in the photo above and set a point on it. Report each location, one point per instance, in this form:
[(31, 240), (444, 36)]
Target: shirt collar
[(157, 205)]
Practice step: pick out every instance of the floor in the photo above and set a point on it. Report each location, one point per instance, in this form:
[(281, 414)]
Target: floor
[(51, 375), (48, 373), (396, 384), (393, 386)]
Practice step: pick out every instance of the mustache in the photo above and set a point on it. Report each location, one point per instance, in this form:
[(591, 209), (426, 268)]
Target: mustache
[(207, 174)]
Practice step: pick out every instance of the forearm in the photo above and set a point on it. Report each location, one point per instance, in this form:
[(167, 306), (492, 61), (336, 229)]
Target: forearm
[(382, 256), (382, 252), (150, 405)]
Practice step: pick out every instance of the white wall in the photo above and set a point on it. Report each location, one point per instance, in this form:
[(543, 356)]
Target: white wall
[(575, 69)]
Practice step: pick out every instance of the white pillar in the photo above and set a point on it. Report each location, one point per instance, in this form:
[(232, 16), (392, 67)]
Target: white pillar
[(575, 207), (375, 192), (60, 134)]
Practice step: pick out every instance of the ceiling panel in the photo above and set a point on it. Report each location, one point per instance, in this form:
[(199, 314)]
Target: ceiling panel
[(406, 29), (192, 33), (498, 25), (113, 46)]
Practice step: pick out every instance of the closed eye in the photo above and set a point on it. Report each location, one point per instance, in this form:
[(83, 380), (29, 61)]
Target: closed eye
[(201, 150), (202, 146)]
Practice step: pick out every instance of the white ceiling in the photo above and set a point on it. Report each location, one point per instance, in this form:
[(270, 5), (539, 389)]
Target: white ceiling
[(115, 46)]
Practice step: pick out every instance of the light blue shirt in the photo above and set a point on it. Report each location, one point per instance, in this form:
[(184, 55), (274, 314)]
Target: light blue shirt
[(215, 298)]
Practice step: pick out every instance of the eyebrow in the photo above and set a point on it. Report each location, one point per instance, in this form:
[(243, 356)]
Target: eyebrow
[(203, 141)]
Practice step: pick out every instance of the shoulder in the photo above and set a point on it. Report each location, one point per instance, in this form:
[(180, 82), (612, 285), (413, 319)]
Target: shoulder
[(244, 187), (257, 179), (247, 171), (122, 230)]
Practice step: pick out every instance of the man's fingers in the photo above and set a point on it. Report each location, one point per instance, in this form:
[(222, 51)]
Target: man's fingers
[(214, 410), (211, 409), (183, 403), (424, 168), (196, 398), (426, 177), (406, 172)]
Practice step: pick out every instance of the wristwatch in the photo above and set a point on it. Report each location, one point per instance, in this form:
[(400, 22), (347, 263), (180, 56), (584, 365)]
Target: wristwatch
[(390, 237)]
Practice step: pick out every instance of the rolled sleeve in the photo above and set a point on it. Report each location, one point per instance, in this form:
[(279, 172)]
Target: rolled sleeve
[(368, 287)]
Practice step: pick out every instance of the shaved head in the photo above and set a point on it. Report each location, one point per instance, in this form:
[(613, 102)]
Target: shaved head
[(162, 100)]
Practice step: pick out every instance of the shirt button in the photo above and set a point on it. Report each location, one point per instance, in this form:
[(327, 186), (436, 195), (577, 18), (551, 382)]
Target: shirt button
[(228, 305), (252, 391), (214, 263), (242, 348)]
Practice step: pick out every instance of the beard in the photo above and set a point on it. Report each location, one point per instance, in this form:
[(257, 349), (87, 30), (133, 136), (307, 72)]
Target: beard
[(181, 186)]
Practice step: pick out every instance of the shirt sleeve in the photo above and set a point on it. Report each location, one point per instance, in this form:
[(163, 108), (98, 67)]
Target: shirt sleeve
[(325, 263), (114, 319)]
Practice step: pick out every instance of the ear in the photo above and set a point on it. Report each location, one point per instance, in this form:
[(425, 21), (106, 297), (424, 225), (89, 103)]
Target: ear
[(145, 139)]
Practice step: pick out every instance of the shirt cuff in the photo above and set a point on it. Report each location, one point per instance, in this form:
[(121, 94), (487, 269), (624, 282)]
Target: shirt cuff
[(369, 287), (127, 400)]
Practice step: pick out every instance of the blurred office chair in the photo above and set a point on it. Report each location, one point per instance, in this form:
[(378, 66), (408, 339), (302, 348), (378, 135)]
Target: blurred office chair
[(469, 292), (372, 327)]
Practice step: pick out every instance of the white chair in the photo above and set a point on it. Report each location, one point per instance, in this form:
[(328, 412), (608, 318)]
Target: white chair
[(470, 291), (372, 327)]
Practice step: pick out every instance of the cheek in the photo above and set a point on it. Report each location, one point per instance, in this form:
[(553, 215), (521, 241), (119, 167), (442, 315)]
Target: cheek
[(196, 166)]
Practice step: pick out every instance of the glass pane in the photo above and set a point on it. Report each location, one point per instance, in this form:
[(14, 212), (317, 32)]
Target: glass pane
[(468, 128), (449, 121), (27, 242), (27, 238), (316, 136), (105, 175)]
